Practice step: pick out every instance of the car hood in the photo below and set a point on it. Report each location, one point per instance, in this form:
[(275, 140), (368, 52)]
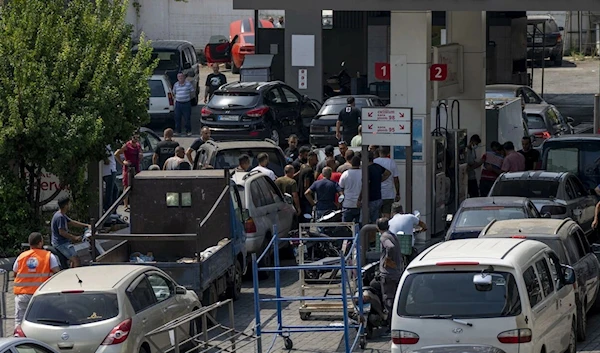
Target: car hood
[(463, 233)]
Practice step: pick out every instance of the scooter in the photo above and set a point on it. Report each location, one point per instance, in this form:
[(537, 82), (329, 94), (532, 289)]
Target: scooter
[(377, 317), (62, 259)]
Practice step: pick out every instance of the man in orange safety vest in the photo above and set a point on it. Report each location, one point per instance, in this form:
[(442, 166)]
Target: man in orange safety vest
[(32, 268)]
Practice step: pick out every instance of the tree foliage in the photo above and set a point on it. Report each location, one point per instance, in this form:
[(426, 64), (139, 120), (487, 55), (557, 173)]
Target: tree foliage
[(69, 85)]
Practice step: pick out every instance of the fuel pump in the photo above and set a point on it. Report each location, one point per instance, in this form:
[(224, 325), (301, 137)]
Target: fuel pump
[(459, 179), (440, 182)]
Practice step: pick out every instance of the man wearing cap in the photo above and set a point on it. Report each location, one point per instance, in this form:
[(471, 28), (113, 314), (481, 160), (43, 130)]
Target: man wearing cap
[(32, 268), (348, 120), (329, 151)]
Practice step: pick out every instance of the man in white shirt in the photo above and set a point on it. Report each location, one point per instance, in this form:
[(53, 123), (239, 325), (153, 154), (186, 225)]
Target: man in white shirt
[(109, 176), (351, 182), (405, 222), (172, 163), (390, 187), (263, 162)]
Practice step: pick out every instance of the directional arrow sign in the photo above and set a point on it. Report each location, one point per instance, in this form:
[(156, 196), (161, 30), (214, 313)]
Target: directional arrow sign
[(370, 114), (386, 126), (370, 126)]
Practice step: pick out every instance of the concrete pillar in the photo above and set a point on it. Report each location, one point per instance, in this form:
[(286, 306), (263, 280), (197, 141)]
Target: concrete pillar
[(410, 58), (305, 22), (468, 28)]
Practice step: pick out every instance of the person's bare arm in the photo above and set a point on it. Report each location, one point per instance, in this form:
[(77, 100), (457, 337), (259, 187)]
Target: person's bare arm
[(188, 154), (155, 158), (337, 129), (386, 174), (422, 225), (309, 197), (118, 154), (397, 185), (297, 202), (78, 224), (73, 238), (596, 210)]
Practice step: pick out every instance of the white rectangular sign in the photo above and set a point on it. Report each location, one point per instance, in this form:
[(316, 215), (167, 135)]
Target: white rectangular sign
[(452, 56), (302, 79), (303, 50), (386, 126)]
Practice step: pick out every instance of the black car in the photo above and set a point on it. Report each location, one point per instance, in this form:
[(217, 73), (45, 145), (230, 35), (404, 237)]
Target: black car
[(476, 213), (258, 110), (544, 40), (322, 127), (175, 56), (225, 155)]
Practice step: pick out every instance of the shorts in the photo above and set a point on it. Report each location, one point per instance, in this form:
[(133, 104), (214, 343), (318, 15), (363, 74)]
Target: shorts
[(386, 207), (68, 250)]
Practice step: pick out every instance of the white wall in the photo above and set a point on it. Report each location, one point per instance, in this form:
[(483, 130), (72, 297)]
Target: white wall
[(194, 20)]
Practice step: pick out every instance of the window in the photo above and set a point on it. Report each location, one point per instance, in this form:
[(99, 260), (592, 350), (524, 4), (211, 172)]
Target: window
[(272, 189), (193, 56), (69, 309), (584, 242), (327, 16), (533, 189), (334, 108), (265, 190), (257, 196), (233, 99), (30, 348), (453, 293), (172, 199), (290, 96), (552, 118), (167, 60), (163, 288), (545, 277), (570, 192), (157, 88), (533, 211), (480, 217), (573, 249), (236, 201), (186, 199), (148, 142), (578, 187), (535, 122), (185, 59), (530, 96), (274, 96), (228, 159), (562, 160), (142, 296), (532, 284)]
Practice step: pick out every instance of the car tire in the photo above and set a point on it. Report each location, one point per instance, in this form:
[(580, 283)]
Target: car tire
[(275, 135), (234, 69), (581, 323), (143, 350), (209, 297), (228, 66), (572, 348), (235, 286), (557, 60)]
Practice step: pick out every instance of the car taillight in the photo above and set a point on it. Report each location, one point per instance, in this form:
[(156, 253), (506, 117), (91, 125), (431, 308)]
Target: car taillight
[(19, 332), (457, 263), (543, 135), (118, 334), (519, 237), (257, 112), (247, 49), (515, 336), (404, 337), (206, 112), (249, 226), (559, 39), (171, 101), (554, 210)]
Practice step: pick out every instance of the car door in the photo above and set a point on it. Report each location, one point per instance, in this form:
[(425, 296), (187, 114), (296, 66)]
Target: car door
[(575, 255), (564, 303), (167, 305), (565, 126), (587, 204), (574, 209), (269, 204), (530, 96), (148, 142), (28, 348), (551, 301), (293, 103), (543, 312), (556, 129), (261, 210), (276, 101), (591, 266), (285, 211), (142, 299), (159, 99)]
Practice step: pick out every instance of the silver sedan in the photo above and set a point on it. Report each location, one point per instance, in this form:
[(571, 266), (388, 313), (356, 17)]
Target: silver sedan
[(24, 345)]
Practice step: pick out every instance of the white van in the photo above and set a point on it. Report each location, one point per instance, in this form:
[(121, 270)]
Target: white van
[(509, 294)]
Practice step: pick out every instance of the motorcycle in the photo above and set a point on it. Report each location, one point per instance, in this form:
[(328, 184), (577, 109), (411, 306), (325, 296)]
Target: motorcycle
[(62, 259), (337, 85), (374, 311)]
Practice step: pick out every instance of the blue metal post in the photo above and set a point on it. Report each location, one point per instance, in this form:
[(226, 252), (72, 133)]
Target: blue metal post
[(256, 303), (277, 284), (345, 304), (359, 279)]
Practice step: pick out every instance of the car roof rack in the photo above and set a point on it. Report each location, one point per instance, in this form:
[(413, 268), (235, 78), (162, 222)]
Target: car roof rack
[(271, 141), (251, 173)]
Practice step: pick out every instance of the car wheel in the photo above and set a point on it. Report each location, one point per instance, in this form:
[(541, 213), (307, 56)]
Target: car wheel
[(235, 288), (557, 60), (267, 260), (275, 135), (211, 296), (228, 66), (234, 69), (573, 338), (581, 323), (143, 350)]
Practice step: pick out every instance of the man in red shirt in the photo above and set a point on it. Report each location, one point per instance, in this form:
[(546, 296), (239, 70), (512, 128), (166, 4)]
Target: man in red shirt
[(514, 161), (335, 176), (492, 167)]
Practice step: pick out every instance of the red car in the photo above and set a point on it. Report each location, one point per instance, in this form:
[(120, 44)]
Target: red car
[(241, 37)]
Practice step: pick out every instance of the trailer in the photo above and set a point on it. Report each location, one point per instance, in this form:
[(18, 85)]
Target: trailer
[(187, 223)]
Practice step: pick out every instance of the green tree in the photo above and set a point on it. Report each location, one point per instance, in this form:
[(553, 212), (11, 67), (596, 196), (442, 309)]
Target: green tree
[(69, 85)]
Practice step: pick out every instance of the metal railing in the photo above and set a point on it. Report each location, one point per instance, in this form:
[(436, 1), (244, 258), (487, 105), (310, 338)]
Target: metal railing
[(4, 290)]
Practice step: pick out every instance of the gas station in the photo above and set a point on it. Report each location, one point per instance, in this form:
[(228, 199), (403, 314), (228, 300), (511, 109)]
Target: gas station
[(442, 85)]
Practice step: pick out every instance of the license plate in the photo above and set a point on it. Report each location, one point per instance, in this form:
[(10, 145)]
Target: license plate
[(333, 128), (229, 117), (538, 40)]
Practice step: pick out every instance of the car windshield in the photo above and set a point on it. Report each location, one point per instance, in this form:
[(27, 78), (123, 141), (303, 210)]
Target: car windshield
[(535, 122), (233, 99), (533, 189), (167, 60), (156, 88), (336, 108), (453, 295), (580, 158), (480, 217), (69, 309), (249, 39), (499, 94), (229, 159)]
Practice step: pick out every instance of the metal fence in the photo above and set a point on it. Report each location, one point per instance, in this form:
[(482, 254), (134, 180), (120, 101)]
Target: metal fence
[(4, 290)]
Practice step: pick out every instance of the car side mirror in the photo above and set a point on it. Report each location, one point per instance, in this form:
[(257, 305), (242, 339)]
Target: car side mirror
[(568, 274), (560, 29), (532, 137), (305, 99), (570, 120), (187, 66), (483, 282), (245, 214), (547, 215), (180, 290), (287, 198), (596, 248)]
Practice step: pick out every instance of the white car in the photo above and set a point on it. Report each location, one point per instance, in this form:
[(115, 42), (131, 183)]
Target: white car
[(512, 295), (106, 309), (161, 106), (265, 206)]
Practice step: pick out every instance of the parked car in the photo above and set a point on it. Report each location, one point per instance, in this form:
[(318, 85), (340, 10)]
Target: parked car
[(477, 212), (545, 121), (510, 294), (560, 194), (258, 110), (24, 345), (161, 105), (504, 91), (225, 155), (175, 56), (578, 154), (322, 127), (148, 140), (241, 36), (544, 40), (266, 207), (567, 240), (85, 310)]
